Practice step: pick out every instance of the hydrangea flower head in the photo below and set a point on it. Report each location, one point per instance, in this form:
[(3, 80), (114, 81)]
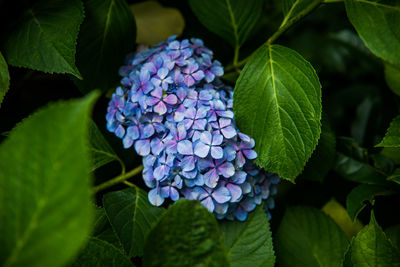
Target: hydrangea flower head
[(175, 111)]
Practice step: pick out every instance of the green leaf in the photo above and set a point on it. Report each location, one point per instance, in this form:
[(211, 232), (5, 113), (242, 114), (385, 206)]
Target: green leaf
[(371, 247), (131, 216), (232, 20), (100, 253), (277, 101), (392, 137), (45, 207), (4, 78), (341, 217), (45, 37), (393, 233), (292, 8), (186, 235), (156, 23), (308, 237), (355, 199), (102, 153), (249, 242), (358, 171), (392, 76), (377, 23), (107, 35), (395, 176), (323, 157)]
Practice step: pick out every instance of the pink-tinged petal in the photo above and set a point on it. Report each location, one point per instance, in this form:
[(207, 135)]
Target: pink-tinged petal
[(187, 123), (217, 139), (188, 163), (217, 152), (174, 194), (225, 114), (156, 82), (224, 122), (147, 131), (235, 191), (228, 132), (201, 150), (211, 178), (240, 159), (189, 81), (221, 195), (185, 147), (226, 169), (192, 94), (205, 164), (155, 198), (181, 94), (157, 92), (160, 108), (206, 138), (202, 112), (150, 67), (209, 76), (190, 113), (142, 147), (170, 99), (198, 75), (151, 101), (171, 147), (179, 114), (199, 124), (250, 154), (174, 45), (208, 203)]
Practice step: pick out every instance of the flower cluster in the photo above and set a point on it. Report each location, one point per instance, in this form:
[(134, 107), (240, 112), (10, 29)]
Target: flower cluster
[(175, 111)]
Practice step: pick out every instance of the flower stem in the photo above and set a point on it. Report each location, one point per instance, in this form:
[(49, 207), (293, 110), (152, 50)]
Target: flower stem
[(119, 179), (289, 22)]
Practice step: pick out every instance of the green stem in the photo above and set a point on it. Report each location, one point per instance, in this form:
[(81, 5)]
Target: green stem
[(287, 23), (119, 179), (333, 1)]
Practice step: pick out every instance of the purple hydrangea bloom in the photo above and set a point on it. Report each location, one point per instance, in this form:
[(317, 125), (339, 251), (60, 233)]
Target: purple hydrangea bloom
[(176, 112)]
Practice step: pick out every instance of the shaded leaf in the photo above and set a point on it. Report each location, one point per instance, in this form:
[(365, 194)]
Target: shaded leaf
[(393, 233), (232, 20), (395, 176), (377, 23), (186, 235), (156, 23), (293, 8), (323, 157), (339, 214), (107, 35), (131, 216), (102, 153), (100, 253), (392, 76), (277, 101), (308, 237), (356, 198), (392, 137), (45, 207), (4, 78), (249, 242), (371, 247), (45, 37), (102, 229)]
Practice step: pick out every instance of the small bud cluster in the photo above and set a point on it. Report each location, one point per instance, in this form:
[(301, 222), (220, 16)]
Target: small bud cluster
[(172, 107)]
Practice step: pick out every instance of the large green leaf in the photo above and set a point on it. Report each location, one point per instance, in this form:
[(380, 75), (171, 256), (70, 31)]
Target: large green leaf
[(323, 157), (102, 152), (356, 198), (377, 22), (107, 35), (186, 235), (4, 78), (131, 216), (356, 170), (99, 253), (277, 101), (45, 206), (45, 37), (308, 237), (372, 248), (392, 76), (233, 20), (249, 242), (102, 229), (392, 137)]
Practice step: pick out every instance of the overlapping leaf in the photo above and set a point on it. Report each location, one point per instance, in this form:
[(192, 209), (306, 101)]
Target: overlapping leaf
[(4, 78), (45, 37), (392, 137), (277, 101), (45, 206)]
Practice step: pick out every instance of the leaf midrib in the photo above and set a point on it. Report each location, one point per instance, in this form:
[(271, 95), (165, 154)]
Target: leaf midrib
[(377, 4), (234, 25)]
